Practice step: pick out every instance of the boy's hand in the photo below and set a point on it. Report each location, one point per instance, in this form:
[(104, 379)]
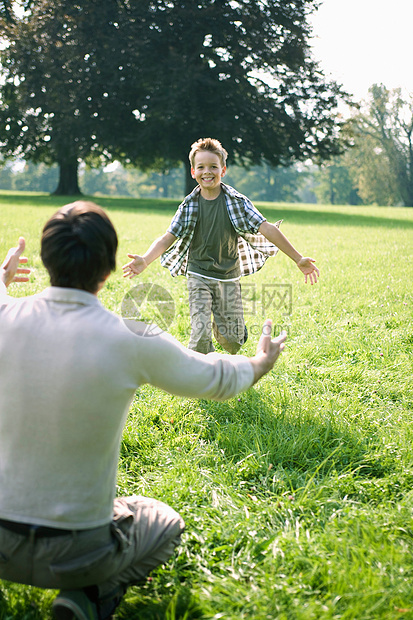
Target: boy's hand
[(310, 271), (268, 351), (11, 263), (135, 267)]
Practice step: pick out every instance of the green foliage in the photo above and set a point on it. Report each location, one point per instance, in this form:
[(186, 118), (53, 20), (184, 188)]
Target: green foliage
[(264, 183), (140, 81), (121, 181), (336, 182), (241, 72), (382, 158), (5, 10), (30, 177), (297, 494), (61, 99), (291, 184)]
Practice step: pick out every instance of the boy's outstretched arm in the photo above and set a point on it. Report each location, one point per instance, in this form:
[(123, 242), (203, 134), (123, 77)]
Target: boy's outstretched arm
[(139, 263), (304, 263)]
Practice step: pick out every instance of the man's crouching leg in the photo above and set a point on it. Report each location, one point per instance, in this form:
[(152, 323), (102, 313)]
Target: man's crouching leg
[(144, 534), (147, 531)]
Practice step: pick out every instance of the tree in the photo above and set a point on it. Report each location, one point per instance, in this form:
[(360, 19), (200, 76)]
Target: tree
[(336, 181), (268, 184), (240, 71), (6, 176), (383, 147), (139, 81), (7, 9), (59, 101)]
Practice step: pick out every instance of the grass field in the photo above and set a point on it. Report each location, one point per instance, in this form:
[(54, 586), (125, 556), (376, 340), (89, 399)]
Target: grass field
[(298, 494)]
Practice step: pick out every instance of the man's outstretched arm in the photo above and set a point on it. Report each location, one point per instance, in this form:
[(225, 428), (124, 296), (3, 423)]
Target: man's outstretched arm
[(10, 270), (268, 351), (174, 369)]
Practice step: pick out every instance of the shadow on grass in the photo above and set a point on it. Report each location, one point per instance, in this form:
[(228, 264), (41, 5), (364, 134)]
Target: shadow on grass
[(150, 602), (293, 215), (148, 605), (259, 434), (331, 218), (143, 205)]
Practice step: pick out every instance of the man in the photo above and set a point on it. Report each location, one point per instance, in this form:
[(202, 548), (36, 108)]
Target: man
[(69, 370)]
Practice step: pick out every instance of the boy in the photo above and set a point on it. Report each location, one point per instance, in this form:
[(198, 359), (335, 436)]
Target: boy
[(221, 236)]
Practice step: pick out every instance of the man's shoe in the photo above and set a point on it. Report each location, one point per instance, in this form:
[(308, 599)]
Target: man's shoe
[(74, 605), (108, 604)]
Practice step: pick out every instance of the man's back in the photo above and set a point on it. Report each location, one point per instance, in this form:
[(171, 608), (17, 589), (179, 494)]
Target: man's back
[(67, 379), (69, 371)]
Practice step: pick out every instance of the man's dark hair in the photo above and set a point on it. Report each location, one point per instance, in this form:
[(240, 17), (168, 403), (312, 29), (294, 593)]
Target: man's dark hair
[(78, 246)]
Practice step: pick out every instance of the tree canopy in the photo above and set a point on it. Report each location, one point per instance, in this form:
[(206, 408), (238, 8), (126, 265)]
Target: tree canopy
[(59, 102), (386, 123), (5, 9), (376, 166), (140, 80)]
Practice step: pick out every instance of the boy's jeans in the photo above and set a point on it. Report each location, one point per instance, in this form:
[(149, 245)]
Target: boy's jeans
[(223, 300)]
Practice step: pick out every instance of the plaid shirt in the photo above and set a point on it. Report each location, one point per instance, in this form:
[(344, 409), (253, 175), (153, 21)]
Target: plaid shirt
[(253, 247)]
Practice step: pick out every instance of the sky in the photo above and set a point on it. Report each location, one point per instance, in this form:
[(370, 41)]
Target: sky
[(363, 42)]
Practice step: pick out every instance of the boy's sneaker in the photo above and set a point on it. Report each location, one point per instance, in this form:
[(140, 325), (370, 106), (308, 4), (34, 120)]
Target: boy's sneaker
[(74, 605), (245, 335)]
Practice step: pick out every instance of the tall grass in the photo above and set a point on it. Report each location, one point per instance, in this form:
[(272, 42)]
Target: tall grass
[(297, 494)]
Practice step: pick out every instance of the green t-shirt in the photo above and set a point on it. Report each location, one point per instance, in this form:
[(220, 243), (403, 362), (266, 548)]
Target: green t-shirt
[(214, 247)]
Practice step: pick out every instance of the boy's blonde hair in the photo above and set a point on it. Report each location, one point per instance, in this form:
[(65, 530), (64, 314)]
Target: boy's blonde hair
[(208, 144)]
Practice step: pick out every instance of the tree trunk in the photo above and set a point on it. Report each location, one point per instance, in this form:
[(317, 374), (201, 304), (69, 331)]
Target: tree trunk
[(409, 202), (165, 185), (68, 179), (190, 183), (410, 172)]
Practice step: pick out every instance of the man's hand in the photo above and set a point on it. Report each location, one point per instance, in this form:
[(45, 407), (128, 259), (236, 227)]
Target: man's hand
[(10, 266), (268, 351), (135, 267), (310, 271)]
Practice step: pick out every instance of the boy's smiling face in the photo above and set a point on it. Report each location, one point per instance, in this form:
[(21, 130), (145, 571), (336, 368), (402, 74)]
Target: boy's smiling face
[(208, 171)]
